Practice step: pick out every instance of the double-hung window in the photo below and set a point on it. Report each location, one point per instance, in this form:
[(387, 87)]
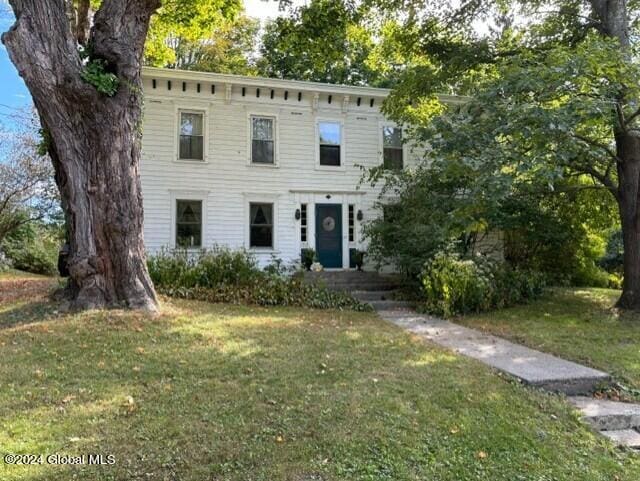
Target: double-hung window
[(191, 136), (330, 141), (262, 140), (392, 148), (188, 223), (260, 225)]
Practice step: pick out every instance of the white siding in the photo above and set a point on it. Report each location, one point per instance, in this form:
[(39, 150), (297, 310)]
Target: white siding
[(227, 181)]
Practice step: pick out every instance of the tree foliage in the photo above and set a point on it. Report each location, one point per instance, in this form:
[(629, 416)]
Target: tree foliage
[(553, 113), (180, 26), (322, 41)]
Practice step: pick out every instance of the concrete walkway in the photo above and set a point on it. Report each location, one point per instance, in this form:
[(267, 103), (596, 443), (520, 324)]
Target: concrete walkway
[(619, 421), (531, 366)]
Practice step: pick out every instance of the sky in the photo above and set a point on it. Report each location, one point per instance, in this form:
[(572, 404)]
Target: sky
[(13, 92)]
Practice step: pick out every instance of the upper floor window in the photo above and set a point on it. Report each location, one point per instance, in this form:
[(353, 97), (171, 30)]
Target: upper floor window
[(260, 225), (262, 140), (330, 140), (188, 223), (392, 148), (191, 136)]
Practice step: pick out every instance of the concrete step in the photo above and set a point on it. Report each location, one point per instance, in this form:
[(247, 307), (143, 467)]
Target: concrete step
[(391, 305), (381, 295), (605, 415), (624, 437)]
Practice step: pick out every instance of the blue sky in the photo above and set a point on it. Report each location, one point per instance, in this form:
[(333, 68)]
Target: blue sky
[(13, 93)]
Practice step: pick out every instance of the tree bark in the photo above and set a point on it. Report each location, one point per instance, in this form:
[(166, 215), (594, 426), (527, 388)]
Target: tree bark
[(95, 147), (628, 148), (614, 23)]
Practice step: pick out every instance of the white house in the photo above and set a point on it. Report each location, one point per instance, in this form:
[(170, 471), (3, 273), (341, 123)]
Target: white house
[(273, 166)]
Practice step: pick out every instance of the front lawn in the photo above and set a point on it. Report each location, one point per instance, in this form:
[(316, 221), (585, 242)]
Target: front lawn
[(217, 392), (577, 324)]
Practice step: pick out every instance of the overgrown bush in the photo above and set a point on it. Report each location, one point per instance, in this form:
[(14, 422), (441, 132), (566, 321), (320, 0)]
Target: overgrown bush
[(454, 285), (233, 276)]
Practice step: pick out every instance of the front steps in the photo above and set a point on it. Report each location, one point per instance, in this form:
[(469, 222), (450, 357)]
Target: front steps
[(377, 290), (618, 421)]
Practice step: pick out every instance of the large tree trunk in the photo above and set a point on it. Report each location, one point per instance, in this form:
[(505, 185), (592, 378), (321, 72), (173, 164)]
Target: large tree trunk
[(629, 206), (95, 142), (614, 23)]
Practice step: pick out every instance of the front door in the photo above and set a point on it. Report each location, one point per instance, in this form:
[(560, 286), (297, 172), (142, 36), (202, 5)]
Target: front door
[(329, 234)]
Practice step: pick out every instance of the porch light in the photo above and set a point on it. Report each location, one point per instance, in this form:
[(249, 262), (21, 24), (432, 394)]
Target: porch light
[(297, 214), (360, 215)]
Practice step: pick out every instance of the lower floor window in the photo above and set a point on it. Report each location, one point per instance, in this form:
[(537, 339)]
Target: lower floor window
[(188, 223), (260, 225)]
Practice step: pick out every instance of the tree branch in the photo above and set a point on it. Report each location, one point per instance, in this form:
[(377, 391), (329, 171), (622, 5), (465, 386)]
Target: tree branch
[(82, 24), (41, 45), (119, 32), (598, 145)]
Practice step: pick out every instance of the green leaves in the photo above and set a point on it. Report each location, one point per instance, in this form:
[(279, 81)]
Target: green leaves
[(94, 72)]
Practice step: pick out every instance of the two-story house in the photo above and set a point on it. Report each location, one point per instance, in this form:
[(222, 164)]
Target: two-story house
[(269, 165)]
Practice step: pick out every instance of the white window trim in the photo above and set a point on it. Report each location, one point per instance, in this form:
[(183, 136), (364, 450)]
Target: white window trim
[(200, 195), (193, 109), (405, 150), (260, 199), (343, 146), (276, 139)]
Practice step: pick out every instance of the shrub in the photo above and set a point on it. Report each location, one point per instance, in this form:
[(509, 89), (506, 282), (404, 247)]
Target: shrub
[(206, 269), (33, 248), (224, 275), (613, 257), (454, 285)]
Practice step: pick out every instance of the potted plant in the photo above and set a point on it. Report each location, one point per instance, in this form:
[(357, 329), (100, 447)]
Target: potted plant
[(359, 259), (308, 257)]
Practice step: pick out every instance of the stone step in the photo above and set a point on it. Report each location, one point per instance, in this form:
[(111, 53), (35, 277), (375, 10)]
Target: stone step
[(380, 295), (391, 305), (606, 415), (624, 437)]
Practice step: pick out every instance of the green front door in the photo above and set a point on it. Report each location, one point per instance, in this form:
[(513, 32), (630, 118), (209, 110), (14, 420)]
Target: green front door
[(329, 234)]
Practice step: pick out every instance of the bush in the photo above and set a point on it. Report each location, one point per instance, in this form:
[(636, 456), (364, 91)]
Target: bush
[(224, 275), (34, 248), (454, 285), (612, 260)]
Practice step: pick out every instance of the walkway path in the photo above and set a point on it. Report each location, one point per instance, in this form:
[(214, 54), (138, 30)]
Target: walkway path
[(618, 421)]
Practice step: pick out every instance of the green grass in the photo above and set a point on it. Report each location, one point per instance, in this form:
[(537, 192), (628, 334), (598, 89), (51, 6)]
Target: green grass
[(577, 324), (216, 392)]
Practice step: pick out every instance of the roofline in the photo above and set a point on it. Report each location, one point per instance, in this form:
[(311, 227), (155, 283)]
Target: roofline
[(265, 82)]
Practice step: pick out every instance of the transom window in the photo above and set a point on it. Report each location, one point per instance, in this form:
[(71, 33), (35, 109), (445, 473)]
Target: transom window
[(262, 140), (188, 223), (330, 139), (191, 136), (392, 148), (260, 225)]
